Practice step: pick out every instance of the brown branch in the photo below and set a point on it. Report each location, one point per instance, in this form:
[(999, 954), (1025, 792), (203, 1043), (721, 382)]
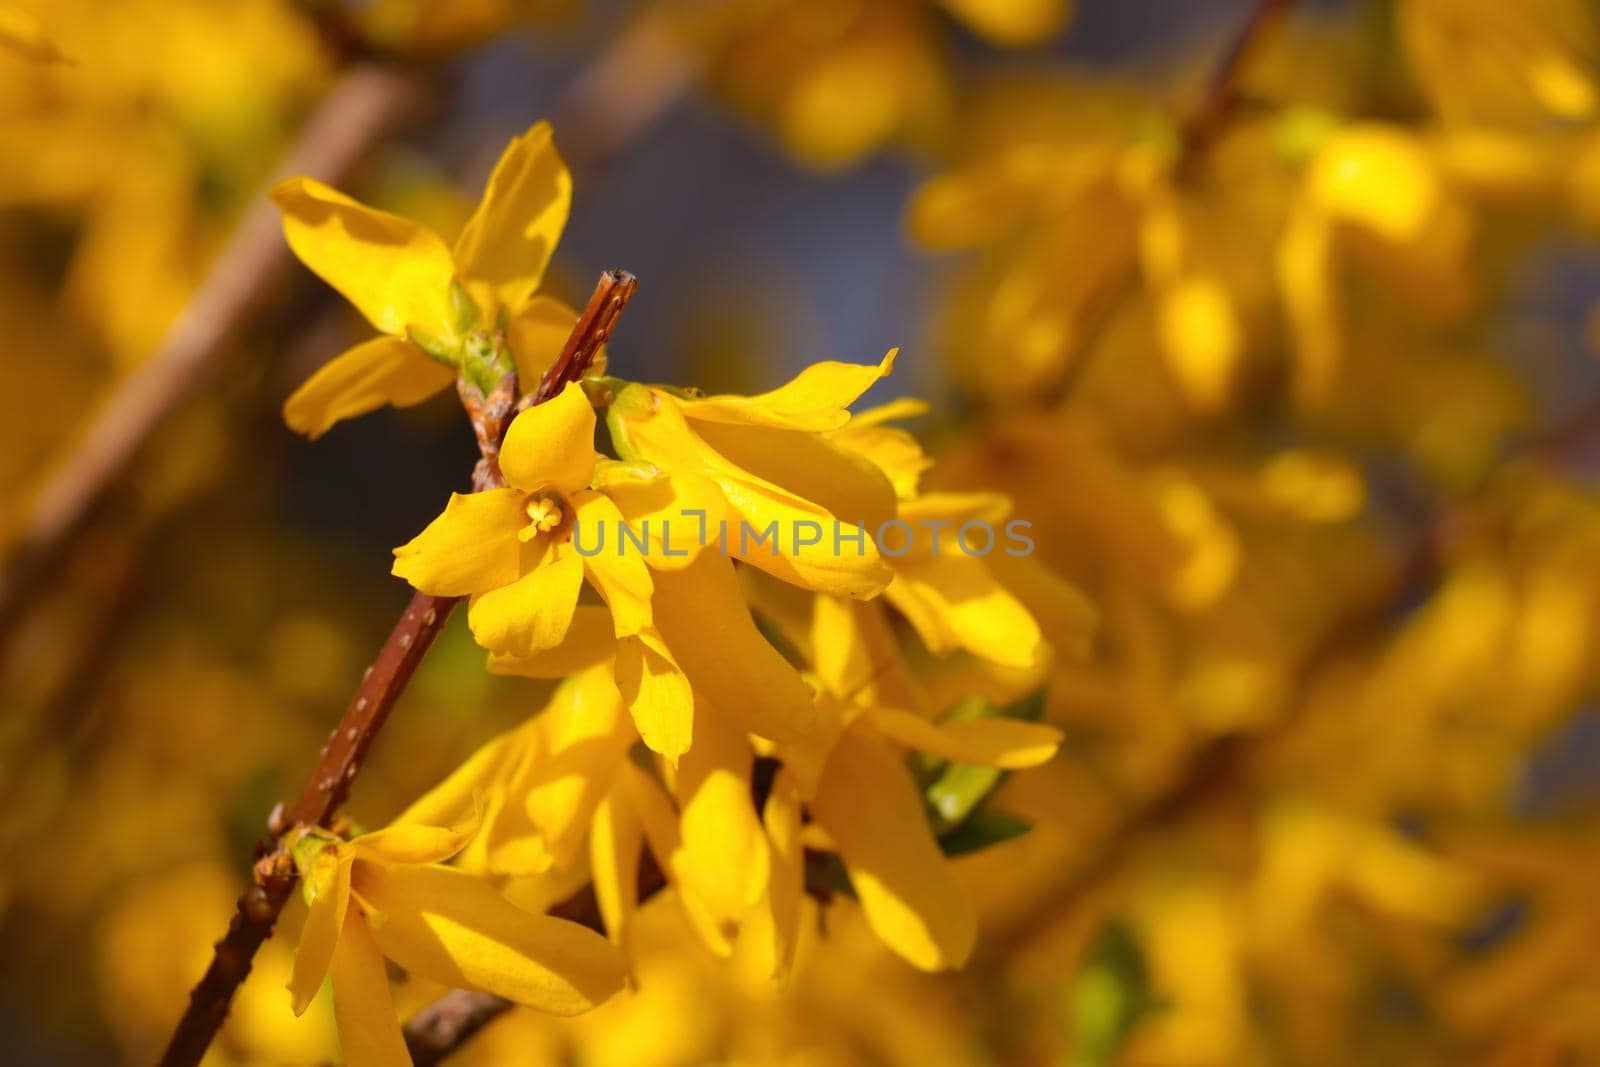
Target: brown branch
[(1198, 131), (366, 102), (347, 746)]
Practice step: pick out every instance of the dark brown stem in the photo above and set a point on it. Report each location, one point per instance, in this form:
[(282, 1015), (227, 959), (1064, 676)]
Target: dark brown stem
[(347, 746), (1217, 107), (366, 102), (1198, 131)]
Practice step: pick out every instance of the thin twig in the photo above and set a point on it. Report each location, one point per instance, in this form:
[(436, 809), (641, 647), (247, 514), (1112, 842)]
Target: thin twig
[(366, 102), (1198, 132), (342, 757)]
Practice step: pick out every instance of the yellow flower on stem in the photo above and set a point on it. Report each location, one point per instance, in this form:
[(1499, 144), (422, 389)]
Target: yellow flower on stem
[(440, 309), (512, 551), (387, 895), (868, 806)]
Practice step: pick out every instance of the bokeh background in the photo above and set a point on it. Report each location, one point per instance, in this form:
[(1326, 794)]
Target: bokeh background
[(1329, 794)]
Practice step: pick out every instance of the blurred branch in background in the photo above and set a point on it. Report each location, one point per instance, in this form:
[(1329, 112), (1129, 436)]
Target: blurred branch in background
[(366, 103), (1200, 128)]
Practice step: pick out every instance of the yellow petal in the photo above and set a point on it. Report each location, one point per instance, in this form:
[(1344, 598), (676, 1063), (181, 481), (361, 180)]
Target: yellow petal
[(615, 567), (537, 334), (396, 272), (510, 237), (532, 613), (551, 443), (472, 547), (701, 612), (868, 804), (329, 884), (615, 841), (363, 1007), (654, 809), (1007, 743), (848, 486), (1065, 616), (581, 738), (455, 929), (589, 640), (385, 370), (769, 526), (454, 799), (408, 842), (786, 881), (675, 517), (954, 602), (818, 398), (857, 655), (721, 867), (657, 693)]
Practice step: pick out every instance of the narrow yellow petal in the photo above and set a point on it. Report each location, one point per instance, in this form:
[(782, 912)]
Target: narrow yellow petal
[(657, 818), (857, 655), (455, 929), (848, 486), (405, 842), (701, 612), (454, 799), (532, 613), (1007, 743), (385, 370), (675, 517), (868, 804), (790, 537), (818, 398), (470, 548), (657, 693), (615, 841), (786, 881), (329, 884), (363, 1007), (721, 868), (954, 602), (551, 444), (396, 272), (616, 570), (581, 738), (589, 640), (510, 237)]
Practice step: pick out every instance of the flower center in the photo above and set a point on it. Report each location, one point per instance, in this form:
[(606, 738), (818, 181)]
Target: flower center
[(544, 514)]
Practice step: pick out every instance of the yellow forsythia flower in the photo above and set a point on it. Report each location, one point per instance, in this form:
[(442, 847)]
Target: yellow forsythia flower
[(386, 894), (511, 550), (426, 298)]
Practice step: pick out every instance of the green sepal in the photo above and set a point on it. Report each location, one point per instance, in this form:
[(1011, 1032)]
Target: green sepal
[(465, 316), (436, 349)]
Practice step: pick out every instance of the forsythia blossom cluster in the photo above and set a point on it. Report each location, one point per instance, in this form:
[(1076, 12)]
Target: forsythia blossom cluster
[(741, 713)]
